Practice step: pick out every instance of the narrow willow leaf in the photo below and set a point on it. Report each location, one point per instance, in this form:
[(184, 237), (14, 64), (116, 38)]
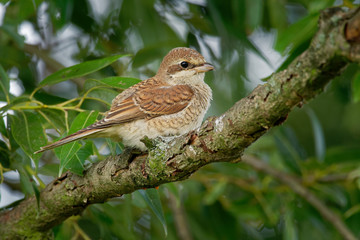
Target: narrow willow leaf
[(333, 194), (22, 162), (12, 31), (54, 118), (216, 191), (173, 189), (152, 198), (28, 133), (17, 101), (145, 56), (319, 138), (255, 15), (121, 82), (277, 14), (37, 193), (25, 183), (352, 211), (49, 169), (104, 95), (112, 146), (113, 82), (297, 33), (85, 151), (3, 130), (4, 83), (4, 156), (356, 88), (342, 154), (67, 152), (83, 120), (289, 156), (76, 164), (290, 231), (80, 70)]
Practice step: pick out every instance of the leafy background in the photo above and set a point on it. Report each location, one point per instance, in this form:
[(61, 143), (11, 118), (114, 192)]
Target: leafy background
[(246, 40)]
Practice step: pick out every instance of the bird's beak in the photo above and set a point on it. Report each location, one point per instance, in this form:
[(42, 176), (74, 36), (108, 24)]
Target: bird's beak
[(204, 68)]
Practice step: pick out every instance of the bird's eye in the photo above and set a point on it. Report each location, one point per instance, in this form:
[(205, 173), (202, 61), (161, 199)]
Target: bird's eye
[(184, 64)]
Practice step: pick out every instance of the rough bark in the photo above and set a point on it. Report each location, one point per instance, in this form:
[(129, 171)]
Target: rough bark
[(220, 139)]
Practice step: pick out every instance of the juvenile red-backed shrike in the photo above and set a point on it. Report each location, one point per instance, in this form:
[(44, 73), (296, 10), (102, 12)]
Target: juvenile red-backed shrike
[(173, 102)]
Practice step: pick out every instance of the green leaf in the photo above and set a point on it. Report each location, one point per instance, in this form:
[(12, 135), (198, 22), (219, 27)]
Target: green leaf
[(4, 156), (113, 82), (352, 211), (79, 70), (332, 193), (173, 189), (83, 120), (297, 33), (216, 191), (152, 198), (4, 83), (14, 102), (25, 182), (290, 231), (115, 148), (28, 133), (91, 229), (277, 13), (111, 145), (54, 118), (255, 13), (356, 88), (48, 99), (103, 95), (319, 138), (67, 152), (76, 164), (105, 87), (343, 154), (3, 130), (36, 193), (22, 163), (49, 169), (289, 154), (12, 31)]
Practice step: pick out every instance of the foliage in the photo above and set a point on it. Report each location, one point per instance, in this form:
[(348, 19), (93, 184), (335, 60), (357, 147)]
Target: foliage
[(319, 143)]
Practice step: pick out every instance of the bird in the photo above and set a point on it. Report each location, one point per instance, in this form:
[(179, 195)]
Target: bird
[(173, 102)]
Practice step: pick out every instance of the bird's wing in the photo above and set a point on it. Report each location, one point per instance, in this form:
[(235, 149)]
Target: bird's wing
[(164, 100), (144, 103), (148, 103)]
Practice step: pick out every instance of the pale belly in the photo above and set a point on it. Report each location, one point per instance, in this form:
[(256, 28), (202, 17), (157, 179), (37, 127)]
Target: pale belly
[(171, 125)]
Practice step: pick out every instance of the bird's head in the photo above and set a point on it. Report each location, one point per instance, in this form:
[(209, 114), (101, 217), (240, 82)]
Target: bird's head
[(183, 65)]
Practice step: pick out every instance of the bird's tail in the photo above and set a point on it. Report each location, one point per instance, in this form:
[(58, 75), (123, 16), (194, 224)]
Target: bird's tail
[(83, 133)]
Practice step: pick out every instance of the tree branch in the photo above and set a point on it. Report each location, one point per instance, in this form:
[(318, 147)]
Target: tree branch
[(219, 139), (298, 188)]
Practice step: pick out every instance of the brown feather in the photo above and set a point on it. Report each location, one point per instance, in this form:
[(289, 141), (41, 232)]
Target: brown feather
[(86, 132), (164, 100), (149, 103)]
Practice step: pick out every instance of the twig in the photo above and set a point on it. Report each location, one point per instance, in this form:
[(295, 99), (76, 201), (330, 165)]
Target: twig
[(182, 228), (302, 191)]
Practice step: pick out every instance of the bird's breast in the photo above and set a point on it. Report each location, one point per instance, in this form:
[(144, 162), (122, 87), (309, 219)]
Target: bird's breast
[(178, 123), (187, 119)]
